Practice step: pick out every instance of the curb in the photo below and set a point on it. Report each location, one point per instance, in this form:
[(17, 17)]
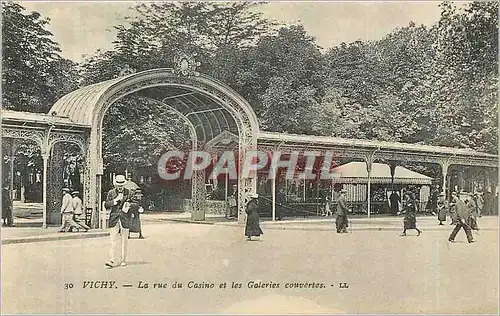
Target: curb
[(53, 238)]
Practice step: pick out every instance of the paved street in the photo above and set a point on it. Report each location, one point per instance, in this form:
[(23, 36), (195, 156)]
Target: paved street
[(385, 273)]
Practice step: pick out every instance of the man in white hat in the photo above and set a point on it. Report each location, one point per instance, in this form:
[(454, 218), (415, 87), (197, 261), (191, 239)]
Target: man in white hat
[(118, 202), (79, 211)]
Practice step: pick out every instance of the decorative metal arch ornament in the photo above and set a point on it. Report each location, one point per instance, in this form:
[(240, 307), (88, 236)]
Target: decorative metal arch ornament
[(224, 138), (186, 64), (126, 70), (236, 105), (56, 137)]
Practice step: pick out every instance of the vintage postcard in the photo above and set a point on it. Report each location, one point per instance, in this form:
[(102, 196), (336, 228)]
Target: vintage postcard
[(301, 157)]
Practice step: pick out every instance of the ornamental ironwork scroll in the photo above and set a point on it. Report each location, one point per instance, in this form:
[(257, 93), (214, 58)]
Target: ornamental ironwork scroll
[(77, 139), (185, 65), (20, 133)]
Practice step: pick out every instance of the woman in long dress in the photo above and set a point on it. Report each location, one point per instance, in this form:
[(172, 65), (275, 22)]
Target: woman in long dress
[(252, 227), (135, 209), (472, 206), (410, 209)]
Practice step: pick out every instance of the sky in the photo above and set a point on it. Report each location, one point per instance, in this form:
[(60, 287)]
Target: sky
[(83, 27)]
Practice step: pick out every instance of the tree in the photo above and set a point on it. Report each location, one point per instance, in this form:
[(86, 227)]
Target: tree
[(204, 25), (466, 76), (33, 75), (433, 85), (101, 66), (406, 59), (352, 69), (152, 129), (217, 32), (289, 109), (418, 84)]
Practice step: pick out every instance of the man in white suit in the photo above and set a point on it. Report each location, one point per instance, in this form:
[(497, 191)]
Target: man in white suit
[(79, 211), (67, 212)]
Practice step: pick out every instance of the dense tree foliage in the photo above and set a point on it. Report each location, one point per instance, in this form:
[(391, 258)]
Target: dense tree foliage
[(465, 76), (284, 80), (219, 33), (150, 128), (419, 84), (434, 85), (34, 75)]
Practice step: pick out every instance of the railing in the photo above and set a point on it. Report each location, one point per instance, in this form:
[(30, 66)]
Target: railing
[(316, 208)]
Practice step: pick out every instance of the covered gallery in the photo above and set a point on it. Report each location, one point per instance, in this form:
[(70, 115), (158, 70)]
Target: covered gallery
[(308, 197), (216, 116), (354, 178)]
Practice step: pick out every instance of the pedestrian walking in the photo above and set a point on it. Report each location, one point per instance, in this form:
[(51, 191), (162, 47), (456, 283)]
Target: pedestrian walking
[(136, 209), (480, 203), (461, 222), (328, 207), (79, 215), (433, 201), (118, 202), (280, 201), (395, 200), (472, 208), (341, 221), (453, 208), (67, 213), (443, 208), (252, 227), (233, 203), (7, 207), (410, 210)]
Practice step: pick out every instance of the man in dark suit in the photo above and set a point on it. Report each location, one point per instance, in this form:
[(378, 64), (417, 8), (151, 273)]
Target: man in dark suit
[(7, 207), (280, 201), (342, 209), (118, 202)]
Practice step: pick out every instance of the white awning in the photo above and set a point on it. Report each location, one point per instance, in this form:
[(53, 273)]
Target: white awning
[(355, 172)]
